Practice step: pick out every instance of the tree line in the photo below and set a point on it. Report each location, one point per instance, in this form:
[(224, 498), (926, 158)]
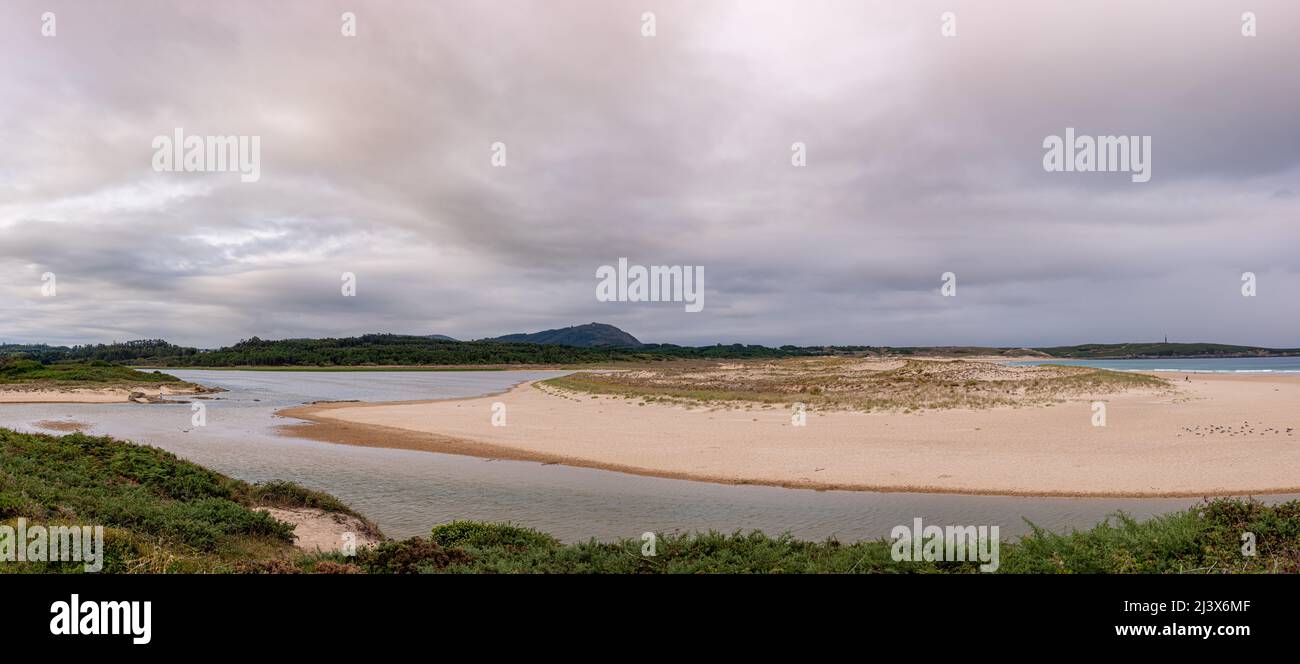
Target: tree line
[(381, 349)]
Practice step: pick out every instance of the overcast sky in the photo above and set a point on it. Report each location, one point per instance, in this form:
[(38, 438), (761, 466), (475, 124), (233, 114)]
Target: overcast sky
[(924, 156)]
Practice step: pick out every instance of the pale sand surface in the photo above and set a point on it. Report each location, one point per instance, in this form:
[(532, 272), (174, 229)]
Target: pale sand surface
[(1153, 445), (318, 530), (17, 394)]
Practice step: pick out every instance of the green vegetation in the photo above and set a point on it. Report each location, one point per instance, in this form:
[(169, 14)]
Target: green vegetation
[(490, 536), (280, 493), (380, 350), (95, 373), (855, 384), (162, 514), (341, 369), (1203, 539), (123, 352), (1206, 538)]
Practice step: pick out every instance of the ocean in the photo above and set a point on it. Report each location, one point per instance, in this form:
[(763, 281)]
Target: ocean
[(1199, 365)]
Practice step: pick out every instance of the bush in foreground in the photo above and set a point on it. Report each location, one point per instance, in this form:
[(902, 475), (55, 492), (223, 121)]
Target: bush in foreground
[(160, 513), (1204, 539)]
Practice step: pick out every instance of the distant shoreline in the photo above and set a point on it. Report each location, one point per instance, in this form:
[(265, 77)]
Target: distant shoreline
[(630, 363)]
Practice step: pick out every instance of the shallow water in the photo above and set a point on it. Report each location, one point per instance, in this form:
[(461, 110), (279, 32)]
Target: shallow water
[(406, 492), (1285, 365)]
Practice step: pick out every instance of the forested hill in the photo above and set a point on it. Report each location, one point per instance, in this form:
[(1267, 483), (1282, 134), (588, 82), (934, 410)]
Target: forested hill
[(591, 335)]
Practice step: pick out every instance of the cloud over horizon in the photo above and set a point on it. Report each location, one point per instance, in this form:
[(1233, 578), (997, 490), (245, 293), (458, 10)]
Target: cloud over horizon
[(924, 156)]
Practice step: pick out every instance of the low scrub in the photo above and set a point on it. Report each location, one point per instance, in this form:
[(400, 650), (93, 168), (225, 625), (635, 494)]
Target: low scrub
[(160, 513), (23, 372), (1206, 539)]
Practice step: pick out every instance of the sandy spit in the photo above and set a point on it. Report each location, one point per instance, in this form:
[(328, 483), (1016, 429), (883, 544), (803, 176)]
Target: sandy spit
[(16, 394), (1218, 435)]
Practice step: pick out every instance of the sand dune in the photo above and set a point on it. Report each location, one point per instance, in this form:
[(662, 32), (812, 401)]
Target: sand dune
[(1216, 435)]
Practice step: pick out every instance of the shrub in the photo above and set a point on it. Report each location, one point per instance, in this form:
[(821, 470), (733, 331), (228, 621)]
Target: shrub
[(487, 535), (331, 567), (282, 493), (410, 556)]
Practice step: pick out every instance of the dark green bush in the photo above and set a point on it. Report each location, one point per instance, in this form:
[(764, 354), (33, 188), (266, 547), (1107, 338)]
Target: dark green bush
[(487, 535), (410, 556)]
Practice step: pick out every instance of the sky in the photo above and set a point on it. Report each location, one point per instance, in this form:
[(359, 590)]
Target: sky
[(923, 154)]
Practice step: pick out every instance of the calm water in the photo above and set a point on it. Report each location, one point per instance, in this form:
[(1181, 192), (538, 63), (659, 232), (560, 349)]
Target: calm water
[(1211, 365), (407, 492)]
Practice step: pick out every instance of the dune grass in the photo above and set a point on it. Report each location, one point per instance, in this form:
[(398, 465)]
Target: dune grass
[(855, 384)]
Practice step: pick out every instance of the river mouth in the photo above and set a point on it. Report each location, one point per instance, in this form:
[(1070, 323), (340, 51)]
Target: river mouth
[(407, 492)]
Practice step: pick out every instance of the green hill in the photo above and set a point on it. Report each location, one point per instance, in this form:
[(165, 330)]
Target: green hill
[(591, 335)]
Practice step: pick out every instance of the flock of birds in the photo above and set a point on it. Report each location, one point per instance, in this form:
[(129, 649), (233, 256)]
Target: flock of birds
[(1246, 429)]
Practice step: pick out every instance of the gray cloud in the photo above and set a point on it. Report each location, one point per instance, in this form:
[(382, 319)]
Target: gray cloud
[(924, 156)]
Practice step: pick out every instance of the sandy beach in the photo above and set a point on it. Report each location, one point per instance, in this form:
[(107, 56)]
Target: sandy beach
[(1215, 435), (19, 394)]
